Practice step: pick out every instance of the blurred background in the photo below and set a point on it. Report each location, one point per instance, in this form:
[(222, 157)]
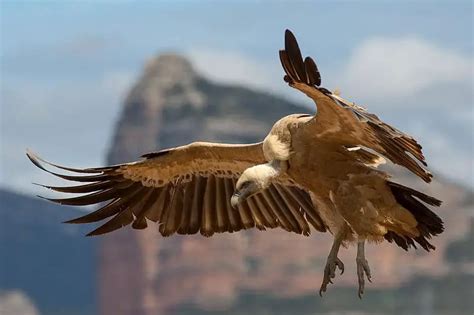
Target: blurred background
[(88, 83)]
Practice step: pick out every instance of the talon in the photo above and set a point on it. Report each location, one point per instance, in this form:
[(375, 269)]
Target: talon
[(322, 289), (367, 270), (363, 269), (330, 272), (332, 263), (340, 265), (361, 273)]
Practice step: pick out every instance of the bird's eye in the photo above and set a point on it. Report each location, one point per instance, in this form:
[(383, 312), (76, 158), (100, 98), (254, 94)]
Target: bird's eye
[(244, 185)]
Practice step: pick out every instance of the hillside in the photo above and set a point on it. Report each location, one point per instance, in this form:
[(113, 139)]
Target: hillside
[(51, 263)]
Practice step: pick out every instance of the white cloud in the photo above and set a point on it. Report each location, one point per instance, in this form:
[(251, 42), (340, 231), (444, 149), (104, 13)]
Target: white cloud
[(447, 156), (233, 68), (400, 67)]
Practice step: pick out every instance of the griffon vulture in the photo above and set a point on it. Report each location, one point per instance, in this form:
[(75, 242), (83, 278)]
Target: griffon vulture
[(309, 172)]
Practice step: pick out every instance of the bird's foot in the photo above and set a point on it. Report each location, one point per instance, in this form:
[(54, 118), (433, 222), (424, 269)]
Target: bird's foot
[(332, 263), (363, 270)]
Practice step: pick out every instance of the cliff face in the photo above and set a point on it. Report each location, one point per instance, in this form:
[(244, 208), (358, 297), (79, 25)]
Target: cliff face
[(144, 273)]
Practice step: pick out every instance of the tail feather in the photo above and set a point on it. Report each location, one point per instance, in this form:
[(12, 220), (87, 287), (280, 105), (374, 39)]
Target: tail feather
[(429, 224)]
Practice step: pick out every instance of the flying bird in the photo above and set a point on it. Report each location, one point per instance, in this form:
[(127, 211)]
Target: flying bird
[(311, 172)]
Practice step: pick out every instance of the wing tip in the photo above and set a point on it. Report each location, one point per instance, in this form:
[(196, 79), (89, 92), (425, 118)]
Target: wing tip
[(29, 153), (33, 159), (47, 199), (93, 233), (72, 221), (296, 69), (289, 35)]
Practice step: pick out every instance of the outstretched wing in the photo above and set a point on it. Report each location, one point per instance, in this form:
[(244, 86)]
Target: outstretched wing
[(343, 122), (185, 190)]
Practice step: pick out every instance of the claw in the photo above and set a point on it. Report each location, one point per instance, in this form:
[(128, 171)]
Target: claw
[(363, 271), (367, 271), (340, 265), (321, 290), (333, 262), (330, 272)]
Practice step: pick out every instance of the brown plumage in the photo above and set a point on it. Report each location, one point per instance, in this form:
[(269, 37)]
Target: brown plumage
[(310, 172), (195, 197)]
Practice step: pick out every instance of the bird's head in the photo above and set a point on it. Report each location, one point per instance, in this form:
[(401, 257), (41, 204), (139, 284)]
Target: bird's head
[(253, 180)]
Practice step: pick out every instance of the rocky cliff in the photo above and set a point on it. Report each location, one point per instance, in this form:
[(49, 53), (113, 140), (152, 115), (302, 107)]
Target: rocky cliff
[(144, 273)]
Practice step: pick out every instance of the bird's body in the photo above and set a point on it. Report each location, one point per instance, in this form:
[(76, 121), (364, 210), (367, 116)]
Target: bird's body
[(347, 186), (311, 172), (352, 191)]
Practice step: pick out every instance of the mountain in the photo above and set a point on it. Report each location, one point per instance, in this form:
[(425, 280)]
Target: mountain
[(253, 272), (52, 264)]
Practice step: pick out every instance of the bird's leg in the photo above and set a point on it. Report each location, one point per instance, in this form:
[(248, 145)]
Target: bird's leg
[(333, 262), (362, 267)]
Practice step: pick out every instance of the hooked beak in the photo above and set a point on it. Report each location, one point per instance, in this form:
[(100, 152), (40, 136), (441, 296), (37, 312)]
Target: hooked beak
[(235, 200), (239, 196)]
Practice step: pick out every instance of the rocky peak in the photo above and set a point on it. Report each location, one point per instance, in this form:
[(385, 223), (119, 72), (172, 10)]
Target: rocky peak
[(168, 81), (170, 66), (165, 76)]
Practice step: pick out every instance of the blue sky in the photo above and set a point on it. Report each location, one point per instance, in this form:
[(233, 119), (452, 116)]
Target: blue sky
[(66, 67)]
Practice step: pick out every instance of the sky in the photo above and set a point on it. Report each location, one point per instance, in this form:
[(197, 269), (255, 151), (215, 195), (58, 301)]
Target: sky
[(67, 66)]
